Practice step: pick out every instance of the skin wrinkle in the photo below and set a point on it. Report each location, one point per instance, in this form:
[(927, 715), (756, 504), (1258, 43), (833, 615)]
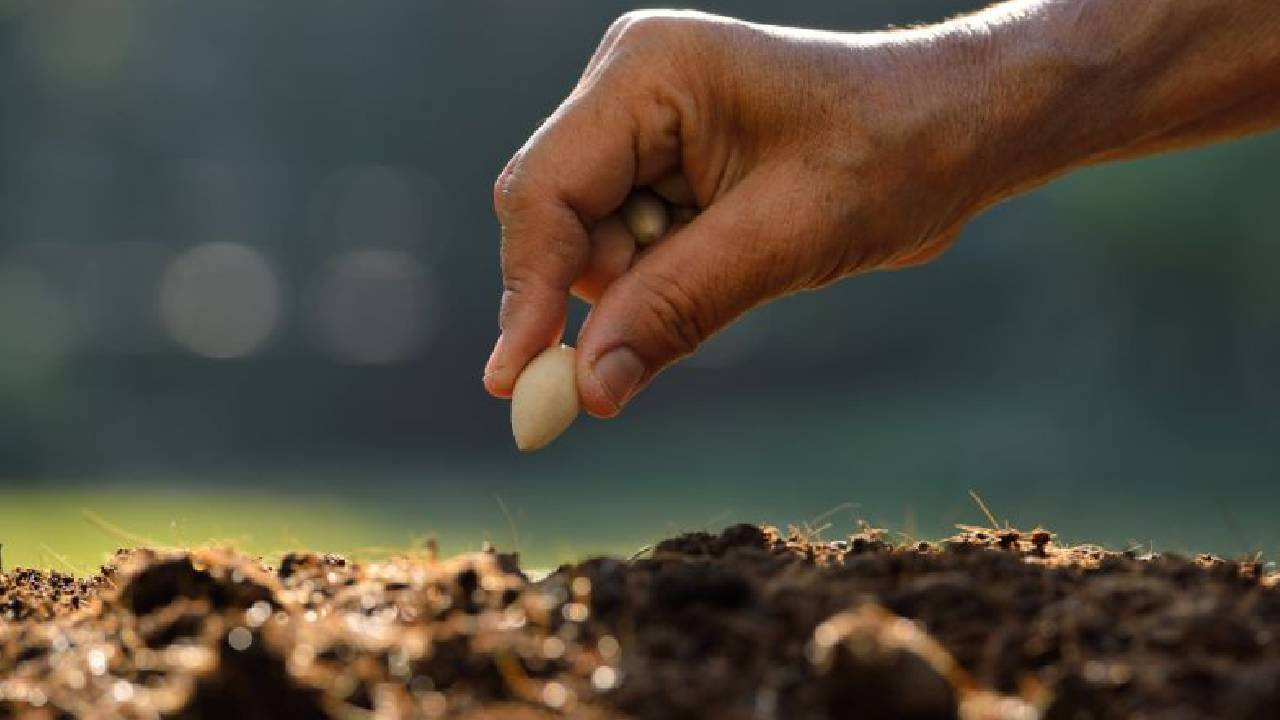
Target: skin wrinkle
[(676, 311), (657, 152), (712, 168), (558, 205), (694, 154), (585, 202), (934, 117), (768, 269)]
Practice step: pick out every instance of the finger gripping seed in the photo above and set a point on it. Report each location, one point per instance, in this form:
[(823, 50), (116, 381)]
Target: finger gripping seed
[(683, 215), (544, 401), (645, 215)]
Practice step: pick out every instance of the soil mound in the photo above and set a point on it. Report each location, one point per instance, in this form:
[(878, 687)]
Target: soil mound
[(749, 623)]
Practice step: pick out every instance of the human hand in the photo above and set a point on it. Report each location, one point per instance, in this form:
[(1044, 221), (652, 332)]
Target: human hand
[(811, 156), (816, 155)]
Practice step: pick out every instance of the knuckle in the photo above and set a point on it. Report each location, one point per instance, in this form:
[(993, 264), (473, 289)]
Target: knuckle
[(505, 186), (681, 320), (644, 27), (635, 24), (515, 287), (564, 252), (543, 246), (520, 288), (512, 297)]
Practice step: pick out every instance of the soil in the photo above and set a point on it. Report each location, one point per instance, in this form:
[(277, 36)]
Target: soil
[(750, 623)]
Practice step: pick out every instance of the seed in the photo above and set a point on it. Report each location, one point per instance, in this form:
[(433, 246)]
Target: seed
[(544, 401), (645, 215)]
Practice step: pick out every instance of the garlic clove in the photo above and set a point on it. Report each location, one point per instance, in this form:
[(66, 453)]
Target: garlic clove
[(544, 401), (645, 215)]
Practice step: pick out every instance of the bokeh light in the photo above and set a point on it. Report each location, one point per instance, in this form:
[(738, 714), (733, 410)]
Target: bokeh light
[(220, 300), (371, 307), (77, 47), (37, 326)]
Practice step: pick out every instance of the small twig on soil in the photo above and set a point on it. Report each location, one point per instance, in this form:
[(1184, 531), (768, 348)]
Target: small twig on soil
[(63, 559), (117, 531), (995, 524), (832, 511), (511, 522), (636, 555)]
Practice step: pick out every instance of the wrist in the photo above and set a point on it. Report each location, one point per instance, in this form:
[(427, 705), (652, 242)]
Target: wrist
[(991, 110), (1048, 102), (924, 99)]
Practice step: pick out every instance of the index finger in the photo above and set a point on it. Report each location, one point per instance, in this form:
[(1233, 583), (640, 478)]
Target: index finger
[(575, 169)]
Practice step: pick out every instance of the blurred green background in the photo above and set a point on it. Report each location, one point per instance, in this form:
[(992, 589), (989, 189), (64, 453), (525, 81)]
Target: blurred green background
[(248, 279)]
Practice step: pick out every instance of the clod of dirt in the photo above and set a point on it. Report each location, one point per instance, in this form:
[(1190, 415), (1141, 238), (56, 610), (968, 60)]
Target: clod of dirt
[(149, 579), (873, 664), (991, 624)]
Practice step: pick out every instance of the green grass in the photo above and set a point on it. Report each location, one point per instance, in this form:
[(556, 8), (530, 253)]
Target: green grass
[(78, 528), (59, 528)]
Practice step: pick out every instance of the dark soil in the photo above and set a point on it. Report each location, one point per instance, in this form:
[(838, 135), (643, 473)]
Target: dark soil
[(747, 624)]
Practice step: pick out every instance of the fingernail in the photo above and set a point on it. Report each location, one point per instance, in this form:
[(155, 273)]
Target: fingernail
[(620, 372)]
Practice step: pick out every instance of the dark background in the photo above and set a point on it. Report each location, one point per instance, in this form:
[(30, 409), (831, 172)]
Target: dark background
[(247, 247)]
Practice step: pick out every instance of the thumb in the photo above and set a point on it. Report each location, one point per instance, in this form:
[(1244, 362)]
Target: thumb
[(677, 294)]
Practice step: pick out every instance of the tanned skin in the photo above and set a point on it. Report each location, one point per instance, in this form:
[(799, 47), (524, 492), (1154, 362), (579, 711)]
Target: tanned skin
[(814, 156)]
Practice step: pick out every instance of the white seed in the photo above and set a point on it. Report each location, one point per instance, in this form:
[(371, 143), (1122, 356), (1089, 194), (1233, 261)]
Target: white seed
[(645, 215), (544, 401)]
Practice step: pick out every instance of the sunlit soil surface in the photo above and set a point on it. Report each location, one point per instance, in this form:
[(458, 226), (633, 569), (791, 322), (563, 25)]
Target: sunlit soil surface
[(750, 623)]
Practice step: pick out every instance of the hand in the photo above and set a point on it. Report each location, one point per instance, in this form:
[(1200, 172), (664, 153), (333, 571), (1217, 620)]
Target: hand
[(811, 155), (814, 155)]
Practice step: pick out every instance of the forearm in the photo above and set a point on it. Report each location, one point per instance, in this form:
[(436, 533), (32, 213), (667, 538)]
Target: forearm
[(1074, 82), (815, 155)]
